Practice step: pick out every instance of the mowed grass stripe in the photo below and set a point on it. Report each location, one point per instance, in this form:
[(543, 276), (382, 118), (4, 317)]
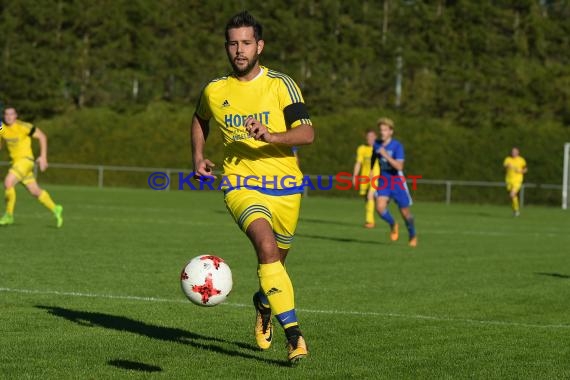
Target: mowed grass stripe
[(331, 312)]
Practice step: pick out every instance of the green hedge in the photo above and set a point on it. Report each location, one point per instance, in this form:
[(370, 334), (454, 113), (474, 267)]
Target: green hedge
[(158, 136)]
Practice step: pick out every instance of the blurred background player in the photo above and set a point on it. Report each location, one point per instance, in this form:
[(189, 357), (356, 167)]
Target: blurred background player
[(259, 147), (392, 184), (17, 136), (362, 168), (515, 168)]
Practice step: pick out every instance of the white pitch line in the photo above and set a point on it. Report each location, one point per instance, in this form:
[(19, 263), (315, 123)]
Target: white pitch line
[(330, 312), (89, 295)]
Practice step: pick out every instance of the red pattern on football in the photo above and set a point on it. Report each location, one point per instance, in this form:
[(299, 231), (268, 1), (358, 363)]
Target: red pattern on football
[(207, 290), (215, 259)]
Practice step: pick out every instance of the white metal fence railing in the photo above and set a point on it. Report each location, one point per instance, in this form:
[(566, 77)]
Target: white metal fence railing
[(447, 184)]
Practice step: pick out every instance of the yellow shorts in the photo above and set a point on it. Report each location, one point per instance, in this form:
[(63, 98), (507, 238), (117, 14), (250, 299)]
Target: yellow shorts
[(514, 186), (23, 169), (281, 211)]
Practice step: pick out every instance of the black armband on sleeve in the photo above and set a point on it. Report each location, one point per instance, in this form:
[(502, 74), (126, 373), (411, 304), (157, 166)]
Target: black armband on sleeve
[(32, 131), (373, 159), (294, 112)]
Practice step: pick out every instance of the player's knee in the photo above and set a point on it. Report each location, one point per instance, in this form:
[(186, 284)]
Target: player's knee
[(36, 191), (381, 207), (267, 251), (262, 237)]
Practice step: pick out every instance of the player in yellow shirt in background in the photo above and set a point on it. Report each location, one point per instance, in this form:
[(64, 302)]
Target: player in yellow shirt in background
[(362, 168), (18, 138), (515, 167)]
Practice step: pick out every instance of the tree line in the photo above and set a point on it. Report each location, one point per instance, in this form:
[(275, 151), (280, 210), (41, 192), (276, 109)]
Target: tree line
[(474, 63)]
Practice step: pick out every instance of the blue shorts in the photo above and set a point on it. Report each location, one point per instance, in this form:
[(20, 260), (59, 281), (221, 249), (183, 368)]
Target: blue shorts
[(394, 187)]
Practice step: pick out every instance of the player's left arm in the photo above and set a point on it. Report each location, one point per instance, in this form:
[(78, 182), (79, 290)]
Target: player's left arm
[(299, 127), (42, 138), (396, 164), (303, 134)]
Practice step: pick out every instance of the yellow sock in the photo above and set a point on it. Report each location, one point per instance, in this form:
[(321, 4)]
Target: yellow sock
[(10, 196), (46, 200), (516, 204), (278, 288), (370, 211)]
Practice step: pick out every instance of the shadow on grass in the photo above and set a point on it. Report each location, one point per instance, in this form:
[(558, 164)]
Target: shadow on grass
[(341, 239), (135, 366), (556, 275), (120, 323)]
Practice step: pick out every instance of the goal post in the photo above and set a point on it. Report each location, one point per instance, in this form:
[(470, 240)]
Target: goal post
[(566, 176)]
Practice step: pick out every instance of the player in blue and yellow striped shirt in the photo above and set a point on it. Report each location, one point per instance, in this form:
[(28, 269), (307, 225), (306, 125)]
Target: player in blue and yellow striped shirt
[(260, 114)]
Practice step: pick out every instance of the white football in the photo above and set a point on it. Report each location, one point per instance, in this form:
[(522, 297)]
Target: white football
[(206, 280)]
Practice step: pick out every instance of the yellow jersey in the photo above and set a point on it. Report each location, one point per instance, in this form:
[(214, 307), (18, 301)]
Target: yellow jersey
[(364, 156), (514, 166), (275, 100), (18, 139)]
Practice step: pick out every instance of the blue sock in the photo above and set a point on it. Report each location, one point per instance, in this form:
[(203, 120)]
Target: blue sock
[(386, 216), (411, 226), (287, 319)]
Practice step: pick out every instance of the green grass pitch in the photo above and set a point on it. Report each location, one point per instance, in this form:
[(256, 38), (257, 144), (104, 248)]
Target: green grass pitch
[(483, 296)]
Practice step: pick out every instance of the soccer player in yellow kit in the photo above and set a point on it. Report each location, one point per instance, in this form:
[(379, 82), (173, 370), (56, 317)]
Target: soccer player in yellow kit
[(17, 135), (362, 169), (515, 167), (261, 114)]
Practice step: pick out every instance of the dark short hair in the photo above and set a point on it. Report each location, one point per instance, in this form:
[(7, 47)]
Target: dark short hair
[(245, 19), (369, 130)]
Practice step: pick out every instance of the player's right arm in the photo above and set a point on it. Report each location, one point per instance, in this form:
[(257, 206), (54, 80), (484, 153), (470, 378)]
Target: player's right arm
[(198, 135)]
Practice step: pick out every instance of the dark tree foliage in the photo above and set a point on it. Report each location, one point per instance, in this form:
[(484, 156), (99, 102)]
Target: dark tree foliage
[(476, 63)]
